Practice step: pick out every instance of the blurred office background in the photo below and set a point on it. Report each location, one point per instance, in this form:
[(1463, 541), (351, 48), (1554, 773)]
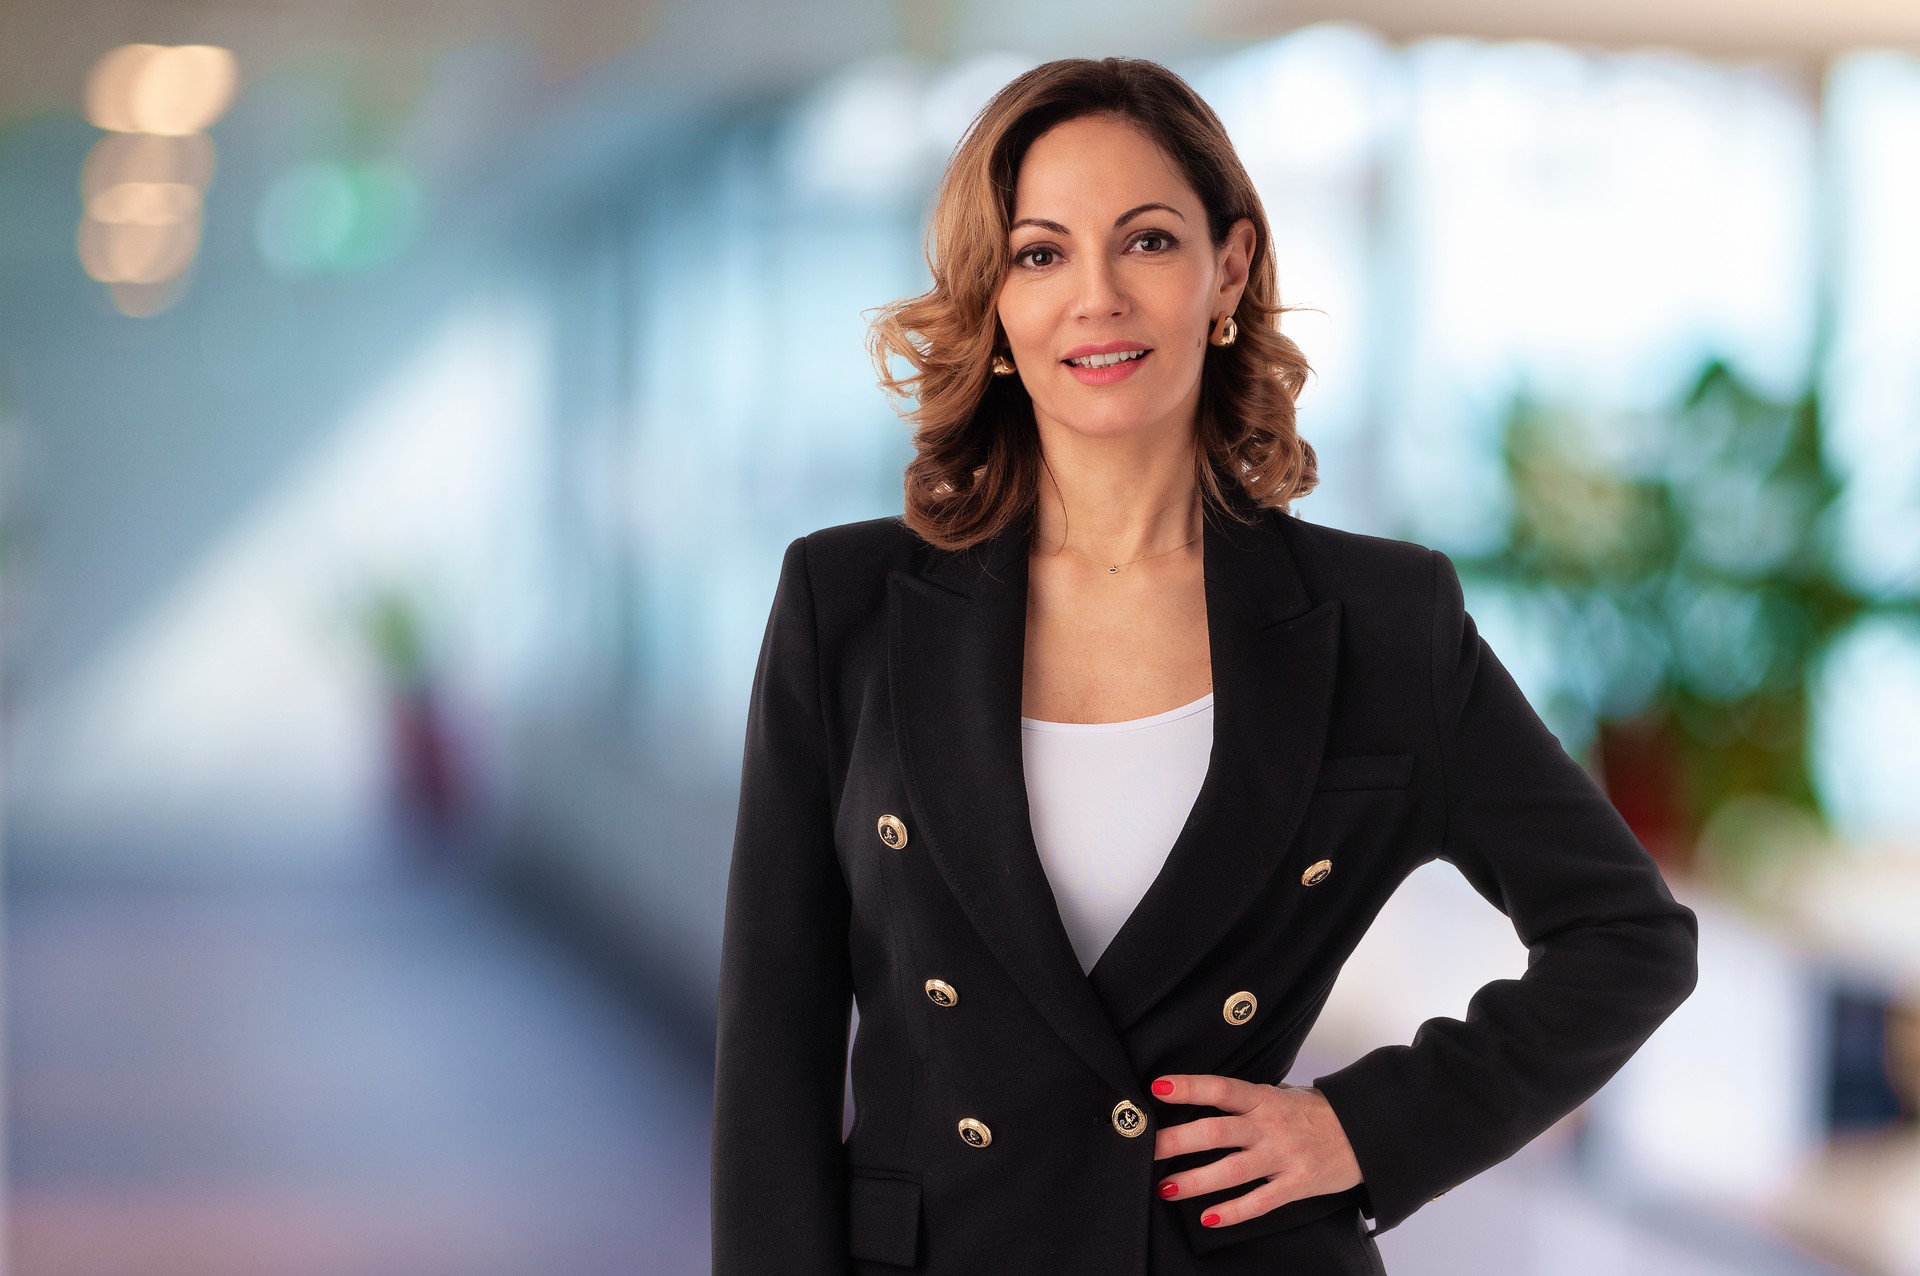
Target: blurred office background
[(403, 410)]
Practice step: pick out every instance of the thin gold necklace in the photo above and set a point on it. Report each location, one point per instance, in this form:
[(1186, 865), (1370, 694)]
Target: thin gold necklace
[(1113, 568)]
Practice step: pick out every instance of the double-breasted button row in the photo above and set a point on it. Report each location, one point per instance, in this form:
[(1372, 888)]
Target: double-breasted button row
[(1127, 1118), (972, 1130), (1239, 1007), (893, 831)]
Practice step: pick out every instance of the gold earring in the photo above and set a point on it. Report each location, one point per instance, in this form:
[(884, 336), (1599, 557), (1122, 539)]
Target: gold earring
[(1228, 331), (1002, 366)]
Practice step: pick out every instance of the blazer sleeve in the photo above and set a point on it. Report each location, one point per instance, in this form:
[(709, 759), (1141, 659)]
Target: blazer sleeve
[(779, 1180), (1610, 954)]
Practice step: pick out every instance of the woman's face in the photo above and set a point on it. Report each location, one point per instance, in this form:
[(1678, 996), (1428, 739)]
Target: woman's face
[(1109, 253)]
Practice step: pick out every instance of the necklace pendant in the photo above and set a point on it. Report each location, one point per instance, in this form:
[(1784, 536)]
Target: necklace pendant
[(1111, 570)]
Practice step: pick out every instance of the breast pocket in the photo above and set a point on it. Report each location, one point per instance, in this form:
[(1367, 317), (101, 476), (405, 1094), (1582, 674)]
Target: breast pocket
[(1365, 771)]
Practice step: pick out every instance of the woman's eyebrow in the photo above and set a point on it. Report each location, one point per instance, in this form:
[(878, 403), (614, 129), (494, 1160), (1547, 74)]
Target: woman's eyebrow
[(1118, 222)]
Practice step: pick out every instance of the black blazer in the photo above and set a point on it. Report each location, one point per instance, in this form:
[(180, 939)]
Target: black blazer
[(1361, 728)]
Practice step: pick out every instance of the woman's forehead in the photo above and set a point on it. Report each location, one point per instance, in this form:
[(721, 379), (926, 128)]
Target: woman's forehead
[(1086, 173)]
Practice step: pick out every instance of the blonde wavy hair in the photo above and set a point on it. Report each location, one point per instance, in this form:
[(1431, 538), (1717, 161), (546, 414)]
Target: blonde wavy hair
[(977, 451)]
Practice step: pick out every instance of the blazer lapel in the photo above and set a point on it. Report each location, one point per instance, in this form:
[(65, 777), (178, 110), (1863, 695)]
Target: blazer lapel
[(1274, 657), (956, 652)]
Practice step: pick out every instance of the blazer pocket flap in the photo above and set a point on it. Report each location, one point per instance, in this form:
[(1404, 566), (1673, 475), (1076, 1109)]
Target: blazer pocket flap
[(1365, 771), (1204, 1239), (883, 1219)]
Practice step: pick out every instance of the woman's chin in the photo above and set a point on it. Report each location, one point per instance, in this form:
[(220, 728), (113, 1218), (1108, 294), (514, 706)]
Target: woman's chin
[(1108, 420)]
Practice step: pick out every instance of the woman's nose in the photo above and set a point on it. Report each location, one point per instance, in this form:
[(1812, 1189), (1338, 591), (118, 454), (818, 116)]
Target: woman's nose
[(1099, 295)]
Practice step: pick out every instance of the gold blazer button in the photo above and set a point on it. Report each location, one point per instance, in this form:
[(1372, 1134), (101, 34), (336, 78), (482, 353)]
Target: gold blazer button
[(1240, 1008), (1316, 872), (942, 993), (1128, 1119), (892, 831), (975, 1133)]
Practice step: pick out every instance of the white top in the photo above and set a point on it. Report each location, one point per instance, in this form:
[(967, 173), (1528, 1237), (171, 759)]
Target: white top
[(1107, 801)]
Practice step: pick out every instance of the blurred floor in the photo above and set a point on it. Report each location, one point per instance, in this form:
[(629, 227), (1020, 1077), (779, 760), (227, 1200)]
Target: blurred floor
[(405, 1079)]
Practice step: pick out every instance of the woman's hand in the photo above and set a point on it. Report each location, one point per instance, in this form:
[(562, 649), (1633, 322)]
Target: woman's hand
[(1286, 1133)]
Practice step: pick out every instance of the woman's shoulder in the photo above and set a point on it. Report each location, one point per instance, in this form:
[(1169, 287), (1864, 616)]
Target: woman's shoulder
[(846, 543), (1340, 561), (865, 550)]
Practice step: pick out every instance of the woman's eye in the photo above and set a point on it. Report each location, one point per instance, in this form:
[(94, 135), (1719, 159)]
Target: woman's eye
[(1159, 241)]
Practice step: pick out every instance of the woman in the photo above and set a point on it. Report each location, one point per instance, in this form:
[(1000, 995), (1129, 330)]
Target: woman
[(1085, 774)]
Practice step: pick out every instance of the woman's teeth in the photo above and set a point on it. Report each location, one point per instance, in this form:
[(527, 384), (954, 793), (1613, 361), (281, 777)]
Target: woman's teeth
[(1105, 360)]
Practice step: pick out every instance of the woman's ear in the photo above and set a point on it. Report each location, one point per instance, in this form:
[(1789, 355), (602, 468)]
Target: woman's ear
[(1236, 263)]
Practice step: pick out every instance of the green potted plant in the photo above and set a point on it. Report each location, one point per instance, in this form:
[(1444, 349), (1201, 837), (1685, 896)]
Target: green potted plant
[(1684, 561)]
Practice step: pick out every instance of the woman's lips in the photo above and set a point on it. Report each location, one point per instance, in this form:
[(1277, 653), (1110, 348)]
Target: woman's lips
[(1109, 374)]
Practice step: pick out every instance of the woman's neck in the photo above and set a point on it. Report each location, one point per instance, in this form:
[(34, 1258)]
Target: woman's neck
[(1117, 513)]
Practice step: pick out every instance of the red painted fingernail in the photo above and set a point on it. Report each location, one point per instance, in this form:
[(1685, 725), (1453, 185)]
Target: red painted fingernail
[(1169, 1189), (1208, 1220), (1163, 1086)]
